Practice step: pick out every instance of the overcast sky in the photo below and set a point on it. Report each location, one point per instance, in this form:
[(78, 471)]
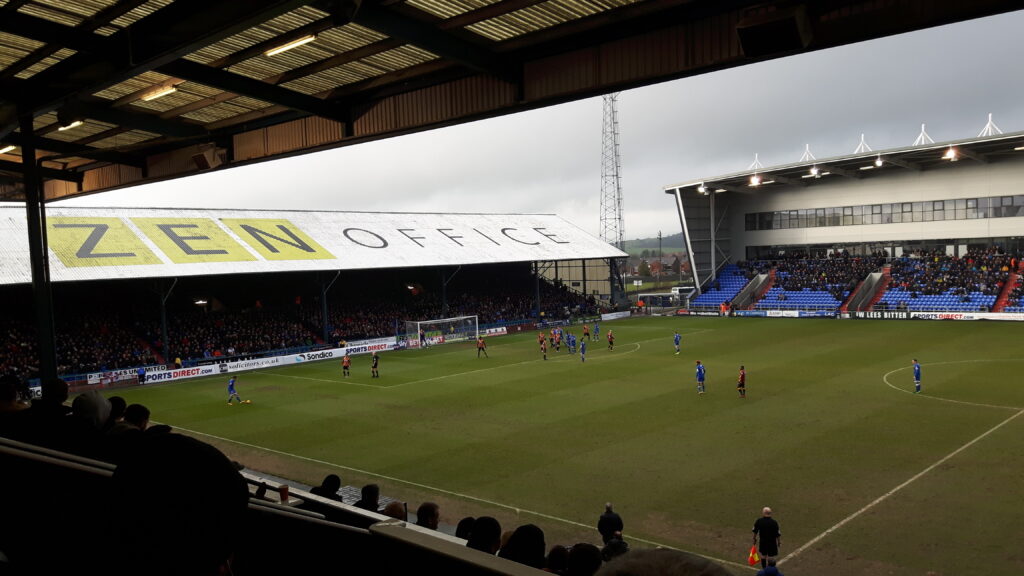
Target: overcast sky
[(549, 160)]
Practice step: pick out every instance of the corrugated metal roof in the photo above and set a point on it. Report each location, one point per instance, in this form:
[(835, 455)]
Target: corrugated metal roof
[(45, 63), (445, 9), (542, 16), (124, 139), (140, 82), (88, 128)]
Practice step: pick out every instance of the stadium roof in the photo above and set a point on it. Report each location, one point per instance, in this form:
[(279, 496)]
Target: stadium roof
[(864, 164), (108, 243), (150, 89)]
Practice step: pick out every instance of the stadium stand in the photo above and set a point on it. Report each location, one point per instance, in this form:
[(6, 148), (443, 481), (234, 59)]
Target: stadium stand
[(813, 283), (731, 279), (930, 281)]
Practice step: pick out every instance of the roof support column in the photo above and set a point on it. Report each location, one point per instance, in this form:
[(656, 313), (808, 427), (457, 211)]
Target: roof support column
[(42, 295)]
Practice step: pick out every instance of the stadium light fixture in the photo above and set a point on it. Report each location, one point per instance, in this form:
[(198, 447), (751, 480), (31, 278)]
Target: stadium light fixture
[(200, 302), (69, 126), (755, 180), (293, 44), (7, 149), (878, 161), (1019, 148), (950, 155), (702, 189), (158, 92), (815, 172)]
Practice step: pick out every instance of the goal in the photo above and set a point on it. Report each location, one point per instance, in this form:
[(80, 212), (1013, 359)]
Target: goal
[(440, 331)]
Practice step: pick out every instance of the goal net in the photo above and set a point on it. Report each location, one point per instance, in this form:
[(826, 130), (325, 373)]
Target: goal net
[(419, 333)]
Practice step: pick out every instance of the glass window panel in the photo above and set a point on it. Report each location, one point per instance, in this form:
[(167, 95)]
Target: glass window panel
[(972, 213), (961, 203), (847, 210), (1018, 200), (887, 218), (858, 219), (938, 215), (950, 215), (938, 205), (961, 214), (928, 215), (876, 209), (972, 202), (907, 207), (847, 220), (918, 206), (886, 208), (1007, 201), (897, 217), (858, 210), (876, 218)]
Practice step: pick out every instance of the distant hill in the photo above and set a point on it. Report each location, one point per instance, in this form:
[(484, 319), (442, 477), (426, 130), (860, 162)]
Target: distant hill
[(669, 244)]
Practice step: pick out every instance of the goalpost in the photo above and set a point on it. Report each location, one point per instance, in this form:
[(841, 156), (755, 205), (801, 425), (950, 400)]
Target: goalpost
[(440, 331)]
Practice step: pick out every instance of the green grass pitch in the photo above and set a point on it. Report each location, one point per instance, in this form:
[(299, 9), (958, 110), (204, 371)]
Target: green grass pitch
[(875, 479)]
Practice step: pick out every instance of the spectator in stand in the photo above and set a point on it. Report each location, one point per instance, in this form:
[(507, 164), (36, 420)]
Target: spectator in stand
[(428, 515), (584, 560), (328, 488), (370, 499), (486, 535), (525, 546), (191, 527), (396, 510), (465, 527), (557, 561), (614, 548)]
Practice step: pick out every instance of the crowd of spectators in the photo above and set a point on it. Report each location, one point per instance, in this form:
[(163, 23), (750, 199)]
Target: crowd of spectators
[(838, 274), (104, 339), (934, 272)]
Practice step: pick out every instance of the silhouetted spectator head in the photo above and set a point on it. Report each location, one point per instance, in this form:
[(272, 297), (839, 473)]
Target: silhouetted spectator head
[(117, 408), (56, 392), (526, 546), (465, 527), (584, 560), (486, 535), (179, 505), (428, 515), (396, 510), (662, 562), (91, 409), (370, 498), (331, 483), (558, 559), (137, 415)]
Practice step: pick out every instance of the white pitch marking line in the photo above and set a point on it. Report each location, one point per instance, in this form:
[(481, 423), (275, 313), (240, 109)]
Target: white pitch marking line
[(518, 510), (885, 378), (349, 382), (883, 497)]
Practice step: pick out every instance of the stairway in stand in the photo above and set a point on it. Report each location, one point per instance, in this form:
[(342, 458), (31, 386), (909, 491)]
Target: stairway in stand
[(1004, 296), (883, 285), (764, 289)]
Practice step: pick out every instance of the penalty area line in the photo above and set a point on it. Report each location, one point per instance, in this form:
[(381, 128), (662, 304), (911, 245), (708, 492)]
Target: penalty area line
[(885, 496), (518, 510)]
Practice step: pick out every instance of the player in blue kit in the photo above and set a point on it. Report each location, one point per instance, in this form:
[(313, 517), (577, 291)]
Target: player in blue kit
[(583, 350), (596, 333), (700, 378), (232, 393), (677, 339), (917, 377)]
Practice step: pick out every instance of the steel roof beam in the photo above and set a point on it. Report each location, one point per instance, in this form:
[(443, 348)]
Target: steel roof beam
[(70, 149), (430, 39), (166, 35), (51, 173)]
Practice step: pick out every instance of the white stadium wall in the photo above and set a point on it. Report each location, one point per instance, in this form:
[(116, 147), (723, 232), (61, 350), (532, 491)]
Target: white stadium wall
[(949, 183)]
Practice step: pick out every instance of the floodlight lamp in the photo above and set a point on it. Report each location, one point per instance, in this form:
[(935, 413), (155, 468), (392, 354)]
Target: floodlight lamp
[(815, 172), (7, 149), (200, 302), (69, 126), (878, 161), (950, 155), (158, 92), (293, 44), (755, 180), (702, 189)]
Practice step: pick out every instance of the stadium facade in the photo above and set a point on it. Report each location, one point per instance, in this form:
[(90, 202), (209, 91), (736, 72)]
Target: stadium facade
[(948, 196)]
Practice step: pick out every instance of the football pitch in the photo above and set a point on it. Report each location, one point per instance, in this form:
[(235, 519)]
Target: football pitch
[(864, 476)]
